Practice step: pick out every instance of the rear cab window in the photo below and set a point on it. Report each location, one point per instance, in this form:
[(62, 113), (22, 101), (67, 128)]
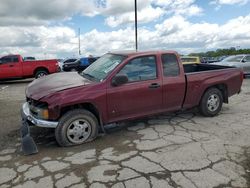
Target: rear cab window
[(140, 69), (170, 65)]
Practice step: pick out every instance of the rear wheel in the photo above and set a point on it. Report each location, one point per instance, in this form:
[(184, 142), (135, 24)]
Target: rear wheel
[(41, 73), (211, 102), (76, 127)]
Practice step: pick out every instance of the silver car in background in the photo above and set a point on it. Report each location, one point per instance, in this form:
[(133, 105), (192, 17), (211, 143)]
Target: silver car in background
[(241, 61)]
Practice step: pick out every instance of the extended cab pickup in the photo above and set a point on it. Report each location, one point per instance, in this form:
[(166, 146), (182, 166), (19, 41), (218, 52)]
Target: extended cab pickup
[(123, 86), (13, 66)]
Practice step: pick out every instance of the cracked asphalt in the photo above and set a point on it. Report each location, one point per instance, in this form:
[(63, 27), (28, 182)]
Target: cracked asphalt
[(170, 150)]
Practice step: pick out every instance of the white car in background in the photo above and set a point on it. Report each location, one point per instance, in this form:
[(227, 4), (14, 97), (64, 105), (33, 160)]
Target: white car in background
[(241, 61)]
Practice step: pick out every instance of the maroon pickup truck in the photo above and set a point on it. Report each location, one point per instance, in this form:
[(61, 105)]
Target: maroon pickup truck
[(14, 67), (123, 86)]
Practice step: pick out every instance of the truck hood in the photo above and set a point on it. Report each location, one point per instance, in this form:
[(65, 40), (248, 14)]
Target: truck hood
[(42, 87)]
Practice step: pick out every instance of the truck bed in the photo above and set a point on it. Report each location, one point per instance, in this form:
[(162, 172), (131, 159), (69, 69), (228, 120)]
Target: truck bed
[(199, 77), (194, 68)]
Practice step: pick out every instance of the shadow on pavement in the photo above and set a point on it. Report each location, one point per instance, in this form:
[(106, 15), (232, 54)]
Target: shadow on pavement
[(16, 81)]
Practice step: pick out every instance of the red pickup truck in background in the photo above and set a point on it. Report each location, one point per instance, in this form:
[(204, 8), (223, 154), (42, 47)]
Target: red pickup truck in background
[(123, 86), (13, 66)]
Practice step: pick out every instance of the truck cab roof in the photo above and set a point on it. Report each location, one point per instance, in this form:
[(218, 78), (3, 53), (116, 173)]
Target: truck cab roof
[(150, 52)]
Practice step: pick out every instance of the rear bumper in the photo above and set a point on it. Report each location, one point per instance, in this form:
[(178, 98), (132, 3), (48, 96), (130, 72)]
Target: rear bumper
[(27, 116)]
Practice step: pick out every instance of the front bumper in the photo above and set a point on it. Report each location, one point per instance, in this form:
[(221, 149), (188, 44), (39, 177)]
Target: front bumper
[(26, 115), (28, 144)]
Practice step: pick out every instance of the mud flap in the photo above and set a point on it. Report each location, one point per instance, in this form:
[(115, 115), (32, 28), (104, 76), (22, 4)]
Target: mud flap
[(28, 144)]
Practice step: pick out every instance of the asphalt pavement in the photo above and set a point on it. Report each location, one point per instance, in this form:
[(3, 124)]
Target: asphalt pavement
[(169, 150)]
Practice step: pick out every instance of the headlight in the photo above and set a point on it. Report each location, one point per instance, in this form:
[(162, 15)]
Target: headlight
[(39, 109)]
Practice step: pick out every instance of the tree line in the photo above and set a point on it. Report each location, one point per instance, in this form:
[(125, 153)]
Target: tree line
[(221, 52)]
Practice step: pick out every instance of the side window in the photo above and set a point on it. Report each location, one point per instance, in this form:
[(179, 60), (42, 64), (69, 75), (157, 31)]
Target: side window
[(9, 59), (6, 59), (142, 68), (170, 65), (15, 59)]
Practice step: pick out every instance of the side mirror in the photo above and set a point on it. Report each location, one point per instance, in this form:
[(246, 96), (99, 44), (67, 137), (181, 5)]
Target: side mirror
[(243, 61), (119, 80)]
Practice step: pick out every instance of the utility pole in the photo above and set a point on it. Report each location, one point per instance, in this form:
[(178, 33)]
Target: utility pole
[(79, 41), (136, 44)]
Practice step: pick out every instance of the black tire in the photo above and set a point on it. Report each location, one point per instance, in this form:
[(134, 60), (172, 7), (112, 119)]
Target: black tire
[(211, 102), (74, 125), (41, 73)]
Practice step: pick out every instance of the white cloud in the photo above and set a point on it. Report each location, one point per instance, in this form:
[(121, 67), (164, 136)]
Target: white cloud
[(229, 2), (40, 12), (39, 41), (102, 42), (43, 12), (174, 33), (180, 7), (192, 10), (220, 3), (114, 7), (143, 16), (149, 10)]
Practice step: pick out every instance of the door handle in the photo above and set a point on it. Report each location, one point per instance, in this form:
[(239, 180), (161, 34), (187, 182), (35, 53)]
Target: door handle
[(11, 65), (154, 86)]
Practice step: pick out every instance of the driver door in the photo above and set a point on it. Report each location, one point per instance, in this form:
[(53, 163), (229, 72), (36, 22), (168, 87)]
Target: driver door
[(141, 95), (10, 67)]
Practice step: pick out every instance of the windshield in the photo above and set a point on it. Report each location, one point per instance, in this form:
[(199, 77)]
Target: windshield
[(100, 69), (233, 59)]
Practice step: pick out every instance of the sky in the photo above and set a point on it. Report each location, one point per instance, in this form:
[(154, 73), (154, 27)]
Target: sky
[(50, 28)]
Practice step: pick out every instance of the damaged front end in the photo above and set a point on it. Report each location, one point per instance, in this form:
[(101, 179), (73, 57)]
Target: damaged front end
[(30, 118)]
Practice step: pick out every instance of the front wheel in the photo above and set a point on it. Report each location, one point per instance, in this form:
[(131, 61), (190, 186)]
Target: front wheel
[(211, 102), (76, 127)]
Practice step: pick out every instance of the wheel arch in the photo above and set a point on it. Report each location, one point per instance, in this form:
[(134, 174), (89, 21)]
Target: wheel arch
[(87, 106), (40, 69), (222, 87)]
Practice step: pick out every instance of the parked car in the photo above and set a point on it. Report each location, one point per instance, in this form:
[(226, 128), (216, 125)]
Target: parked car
[(241, 61), (63, 61), (70, 60), (79, 64), (13, 67), (124, 86), (212, 59), (190, 60)]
